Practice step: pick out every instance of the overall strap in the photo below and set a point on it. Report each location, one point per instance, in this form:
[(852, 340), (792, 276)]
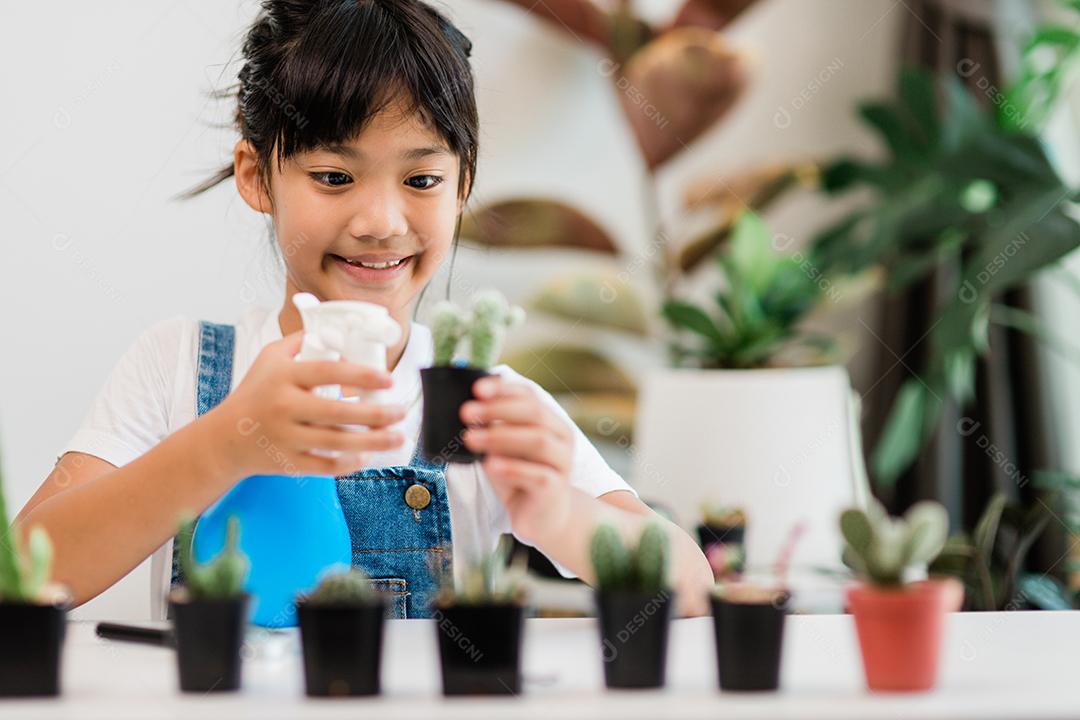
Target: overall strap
[(214, 373), (213, 381)]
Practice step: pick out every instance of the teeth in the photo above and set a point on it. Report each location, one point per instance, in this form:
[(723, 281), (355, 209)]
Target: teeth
[(377, 266)]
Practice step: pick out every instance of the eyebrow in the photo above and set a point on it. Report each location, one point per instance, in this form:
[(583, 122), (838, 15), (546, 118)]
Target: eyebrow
[(415, 154)]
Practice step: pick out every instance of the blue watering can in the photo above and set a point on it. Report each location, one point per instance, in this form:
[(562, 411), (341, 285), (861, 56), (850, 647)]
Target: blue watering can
[(292, 527)]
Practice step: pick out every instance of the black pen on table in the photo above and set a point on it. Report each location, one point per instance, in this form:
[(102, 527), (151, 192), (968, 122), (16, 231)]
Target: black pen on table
[(161, 637)]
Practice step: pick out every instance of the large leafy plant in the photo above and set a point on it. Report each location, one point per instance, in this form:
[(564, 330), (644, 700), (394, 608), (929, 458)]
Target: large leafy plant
[(958, 189), (759, 308)]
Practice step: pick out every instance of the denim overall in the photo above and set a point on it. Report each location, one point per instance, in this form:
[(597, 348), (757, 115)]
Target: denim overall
[(398, 517)]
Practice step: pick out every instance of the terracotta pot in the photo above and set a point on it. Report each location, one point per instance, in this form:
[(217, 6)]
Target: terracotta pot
[(900, 631)]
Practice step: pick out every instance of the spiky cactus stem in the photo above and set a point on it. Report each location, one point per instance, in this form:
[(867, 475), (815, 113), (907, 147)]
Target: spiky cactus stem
[(221, 578), (351, 587), (489, 319), (642, 568), (447, 329)]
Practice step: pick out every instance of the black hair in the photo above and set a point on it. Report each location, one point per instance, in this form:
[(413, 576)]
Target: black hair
[(316, 72)]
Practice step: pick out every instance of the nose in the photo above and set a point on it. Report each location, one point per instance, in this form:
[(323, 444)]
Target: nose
[(379, 214)]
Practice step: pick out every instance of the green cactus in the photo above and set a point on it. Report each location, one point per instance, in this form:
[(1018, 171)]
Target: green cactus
[(640, 569), (350, 587), (490, 579), (447, 329), (489, 319), (484, 325), (22, 579), (221, 578), (722, 515), (881, 549)]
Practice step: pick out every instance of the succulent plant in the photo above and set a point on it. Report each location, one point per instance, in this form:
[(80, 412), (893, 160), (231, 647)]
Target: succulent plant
[(642, 568), (22, 579), (485, 325), (881, 549), (221, 578), (492, 578), (723, 515), (350, 587)]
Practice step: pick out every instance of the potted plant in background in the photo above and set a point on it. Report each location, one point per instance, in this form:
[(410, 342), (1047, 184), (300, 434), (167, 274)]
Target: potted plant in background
[(763, 384), (634, 603), (341, 633), (446, 385), (899, 623), (209, 614), (33, 613), (748, 621), (480, 626), (721, 534)]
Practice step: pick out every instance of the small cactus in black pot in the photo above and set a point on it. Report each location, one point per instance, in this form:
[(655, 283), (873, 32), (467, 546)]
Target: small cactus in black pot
[(634, 604), (448, 382), (341, 632), (33, 613), (480, 625), (209, 613)]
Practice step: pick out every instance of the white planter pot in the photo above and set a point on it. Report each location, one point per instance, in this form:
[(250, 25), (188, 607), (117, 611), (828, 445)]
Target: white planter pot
[(781, 443)]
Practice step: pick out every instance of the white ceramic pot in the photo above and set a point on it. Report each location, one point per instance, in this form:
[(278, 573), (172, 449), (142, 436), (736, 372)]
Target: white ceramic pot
[(783, 444)]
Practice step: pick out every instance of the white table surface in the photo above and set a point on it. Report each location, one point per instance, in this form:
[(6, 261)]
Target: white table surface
[(995, 665)]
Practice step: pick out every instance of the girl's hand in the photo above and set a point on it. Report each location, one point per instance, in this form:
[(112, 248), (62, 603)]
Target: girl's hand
[(529, 453), (272, 420)]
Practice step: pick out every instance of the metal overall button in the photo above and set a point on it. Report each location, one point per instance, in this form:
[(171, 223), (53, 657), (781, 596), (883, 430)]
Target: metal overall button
[(417, 497)]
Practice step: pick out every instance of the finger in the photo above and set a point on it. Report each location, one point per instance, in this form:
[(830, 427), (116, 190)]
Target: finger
[(318, 438), (534, 444), (321, 411), (491, 387), (288, 345), (345, 464), (312, 373), (515, 411), (520, 475)]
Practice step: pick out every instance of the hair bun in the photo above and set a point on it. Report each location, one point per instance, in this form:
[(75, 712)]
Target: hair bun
[(456, 37)]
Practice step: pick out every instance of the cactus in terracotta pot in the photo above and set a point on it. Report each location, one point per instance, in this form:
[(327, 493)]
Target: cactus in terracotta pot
[(448, 382), (899, 623)]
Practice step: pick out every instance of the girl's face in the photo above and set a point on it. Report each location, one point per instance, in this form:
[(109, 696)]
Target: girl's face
[(369, 220)]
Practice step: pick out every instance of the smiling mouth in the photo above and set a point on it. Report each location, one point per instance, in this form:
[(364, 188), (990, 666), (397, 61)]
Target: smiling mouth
[(372, 269)]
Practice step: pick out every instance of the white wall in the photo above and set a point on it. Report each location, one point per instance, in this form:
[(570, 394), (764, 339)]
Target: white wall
[(105, 118)]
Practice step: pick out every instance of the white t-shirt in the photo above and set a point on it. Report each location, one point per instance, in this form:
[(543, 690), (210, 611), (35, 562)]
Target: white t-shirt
[(151, 393)]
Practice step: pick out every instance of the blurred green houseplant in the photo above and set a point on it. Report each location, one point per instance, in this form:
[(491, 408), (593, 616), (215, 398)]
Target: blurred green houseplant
[(962, 189)]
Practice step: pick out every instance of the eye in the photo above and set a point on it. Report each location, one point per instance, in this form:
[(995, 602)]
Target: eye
[(424, 182), (331, 179)]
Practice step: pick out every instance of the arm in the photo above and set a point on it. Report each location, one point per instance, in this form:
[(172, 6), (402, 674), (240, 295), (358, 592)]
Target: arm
[(105, 520), (529, 456)]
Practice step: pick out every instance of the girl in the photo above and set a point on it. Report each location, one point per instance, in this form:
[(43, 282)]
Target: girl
[(359, 131)]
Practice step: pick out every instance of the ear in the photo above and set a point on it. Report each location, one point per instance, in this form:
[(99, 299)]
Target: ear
[(248, 180), (463, 196)]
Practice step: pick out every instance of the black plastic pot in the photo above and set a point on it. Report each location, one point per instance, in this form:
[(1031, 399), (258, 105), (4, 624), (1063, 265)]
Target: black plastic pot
[(480, 648), (342, 647), (446, 389), (31, 644), (209, 635), (728, 534), (634, 637), (749, 641)]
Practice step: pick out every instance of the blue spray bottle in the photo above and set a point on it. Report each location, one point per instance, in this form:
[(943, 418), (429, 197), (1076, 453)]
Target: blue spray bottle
[(294, 528)]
